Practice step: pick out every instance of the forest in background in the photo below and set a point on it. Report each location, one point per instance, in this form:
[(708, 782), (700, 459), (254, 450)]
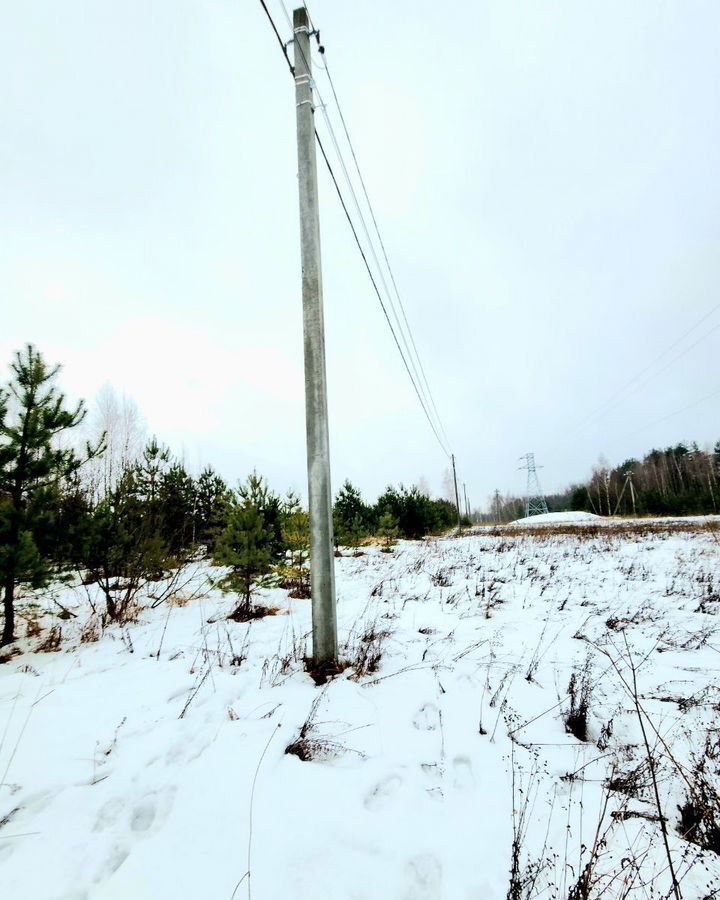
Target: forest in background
[(677, 481), (120, 510)]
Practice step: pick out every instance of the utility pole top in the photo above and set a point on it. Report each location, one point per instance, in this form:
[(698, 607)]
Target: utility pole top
[(301, 18), (457, 495)]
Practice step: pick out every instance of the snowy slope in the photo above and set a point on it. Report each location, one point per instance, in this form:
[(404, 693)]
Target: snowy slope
[(560, 518), (127, 764)]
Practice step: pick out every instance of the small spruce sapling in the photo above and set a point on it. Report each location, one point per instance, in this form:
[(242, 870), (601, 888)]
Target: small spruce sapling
[(176, 493), (212, 505), (350, 517), (256, 492), (388, 531), (244, 546), (295, 572), (354, 534), (123, 548)]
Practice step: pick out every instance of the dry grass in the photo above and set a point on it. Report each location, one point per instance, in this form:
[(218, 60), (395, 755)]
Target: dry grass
[(180, 599), (700, 812), (610, 529), (242, 614), (33, 627), (52, 641), (579, 692), (309, 744), (92, 630)]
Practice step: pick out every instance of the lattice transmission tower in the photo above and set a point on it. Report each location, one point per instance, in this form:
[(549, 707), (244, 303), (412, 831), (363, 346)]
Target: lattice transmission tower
[(535, 504)]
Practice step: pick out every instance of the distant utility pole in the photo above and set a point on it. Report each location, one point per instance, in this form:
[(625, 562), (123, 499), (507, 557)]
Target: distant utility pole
[(628, 481), (535, 503), (457, 496), (467, 505), (497, 506), (322, 563)]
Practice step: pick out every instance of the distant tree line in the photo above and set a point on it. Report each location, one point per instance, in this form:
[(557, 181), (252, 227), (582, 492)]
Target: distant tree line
[(678, 481), (123, 511), (405, 512)]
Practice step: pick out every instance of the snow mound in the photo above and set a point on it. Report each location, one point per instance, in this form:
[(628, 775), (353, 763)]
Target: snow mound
[(559, 518)]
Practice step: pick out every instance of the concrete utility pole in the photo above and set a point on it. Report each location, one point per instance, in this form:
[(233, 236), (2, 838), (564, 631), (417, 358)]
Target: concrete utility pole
[(467, 505), (457, 496), (322, 563)]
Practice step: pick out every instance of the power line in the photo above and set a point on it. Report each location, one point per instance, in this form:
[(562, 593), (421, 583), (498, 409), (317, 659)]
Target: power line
[(427, 399), (420, 375), (416, 381), (375, 287), (382, 243), (633, 384), (677, 412), (652, 377), (370, 243), (280, 41), (609, 404)]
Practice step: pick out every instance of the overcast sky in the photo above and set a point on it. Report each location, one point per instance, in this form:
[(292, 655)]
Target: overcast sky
[(545, 175)]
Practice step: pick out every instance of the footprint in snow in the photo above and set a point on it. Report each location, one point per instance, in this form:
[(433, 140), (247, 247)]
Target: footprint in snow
[(381, 794), (152, 809), (116, 859), (424, 876), (432, 771), (463, 777), (187, 750), (117, 856), (433, 776), (108, 814), (143, 816), (427, 718)]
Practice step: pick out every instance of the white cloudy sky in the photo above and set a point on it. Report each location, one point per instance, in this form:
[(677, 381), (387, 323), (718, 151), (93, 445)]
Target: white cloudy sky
[(545, 174)]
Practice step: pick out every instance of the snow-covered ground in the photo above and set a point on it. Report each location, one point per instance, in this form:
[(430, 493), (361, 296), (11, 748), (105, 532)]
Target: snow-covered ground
[(151, 763), (559, 518)]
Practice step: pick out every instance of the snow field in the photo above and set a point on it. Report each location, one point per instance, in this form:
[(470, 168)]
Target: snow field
[(556, 518), (127, 765)]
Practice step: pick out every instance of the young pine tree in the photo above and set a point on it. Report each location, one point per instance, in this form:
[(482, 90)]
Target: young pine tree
[(212, 506), (244, 545), (295, 572), (353, 535), (351, 517), (350, 511), (256, 492), (33, 469), (123, 549), (176, 494), (149, 470), (388, 531)]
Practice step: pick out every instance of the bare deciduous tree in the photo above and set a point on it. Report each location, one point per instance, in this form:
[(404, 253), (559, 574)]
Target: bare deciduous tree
[(118, 417)]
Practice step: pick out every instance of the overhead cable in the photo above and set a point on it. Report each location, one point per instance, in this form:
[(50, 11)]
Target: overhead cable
[(422, 390)]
